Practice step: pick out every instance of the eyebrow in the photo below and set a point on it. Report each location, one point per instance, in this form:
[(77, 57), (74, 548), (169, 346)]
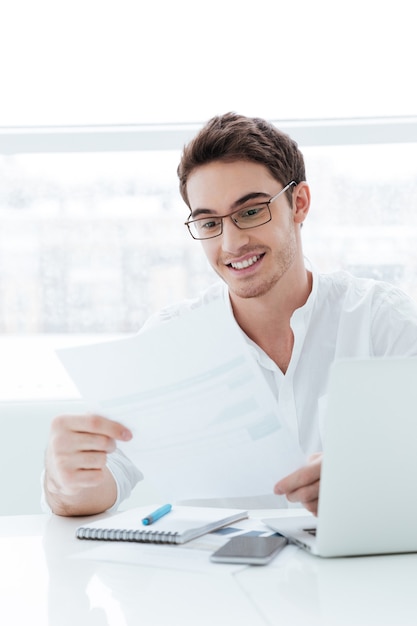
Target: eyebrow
[(253, 195)]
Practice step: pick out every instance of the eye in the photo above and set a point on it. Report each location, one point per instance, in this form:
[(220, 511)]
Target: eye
[(208, 224), (252, 211)]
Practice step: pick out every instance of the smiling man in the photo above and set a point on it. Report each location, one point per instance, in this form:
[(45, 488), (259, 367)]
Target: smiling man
[(257, 250), (245, 185)]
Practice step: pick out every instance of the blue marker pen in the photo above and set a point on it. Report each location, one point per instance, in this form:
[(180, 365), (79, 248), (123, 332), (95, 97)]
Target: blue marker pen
[(152, 517)]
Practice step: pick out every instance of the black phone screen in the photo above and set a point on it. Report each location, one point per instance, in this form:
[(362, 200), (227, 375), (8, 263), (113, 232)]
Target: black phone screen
[(249, 549)]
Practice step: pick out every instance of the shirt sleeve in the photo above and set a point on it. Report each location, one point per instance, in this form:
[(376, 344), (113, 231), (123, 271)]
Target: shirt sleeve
[(125, 474), (394, 324)]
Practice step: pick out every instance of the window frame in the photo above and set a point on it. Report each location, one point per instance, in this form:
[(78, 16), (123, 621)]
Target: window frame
[(120, 138)]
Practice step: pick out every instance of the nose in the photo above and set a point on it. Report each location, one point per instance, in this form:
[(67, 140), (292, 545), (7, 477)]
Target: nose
[(233, 237)]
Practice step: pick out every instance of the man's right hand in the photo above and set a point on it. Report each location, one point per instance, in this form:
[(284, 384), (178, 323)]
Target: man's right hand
[(77, 481)]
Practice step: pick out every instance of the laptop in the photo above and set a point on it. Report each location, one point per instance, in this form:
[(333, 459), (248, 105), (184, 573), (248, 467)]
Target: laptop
[(368, 487)]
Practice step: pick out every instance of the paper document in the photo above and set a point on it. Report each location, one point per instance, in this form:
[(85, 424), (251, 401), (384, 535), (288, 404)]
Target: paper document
[(204, 421)]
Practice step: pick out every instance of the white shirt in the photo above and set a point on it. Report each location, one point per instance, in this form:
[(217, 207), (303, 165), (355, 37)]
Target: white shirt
[(343, 317)]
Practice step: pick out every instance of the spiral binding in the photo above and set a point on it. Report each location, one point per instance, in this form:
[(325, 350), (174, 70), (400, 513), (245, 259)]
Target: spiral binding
[(118, 534)]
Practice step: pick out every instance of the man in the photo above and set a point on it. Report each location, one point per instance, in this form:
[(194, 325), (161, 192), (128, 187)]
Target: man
[(245, 185)]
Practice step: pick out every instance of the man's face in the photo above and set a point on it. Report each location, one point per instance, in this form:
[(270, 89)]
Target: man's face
[(250, 261)]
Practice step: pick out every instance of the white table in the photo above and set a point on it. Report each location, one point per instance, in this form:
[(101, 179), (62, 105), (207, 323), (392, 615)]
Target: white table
[(41, 583)]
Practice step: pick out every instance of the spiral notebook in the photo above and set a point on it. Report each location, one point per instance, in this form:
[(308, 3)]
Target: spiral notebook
[(182, 524)]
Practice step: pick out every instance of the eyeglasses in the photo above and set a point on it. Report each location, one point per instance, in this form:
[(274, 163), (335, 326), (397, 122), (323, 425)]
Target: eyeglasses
[(249, 217)]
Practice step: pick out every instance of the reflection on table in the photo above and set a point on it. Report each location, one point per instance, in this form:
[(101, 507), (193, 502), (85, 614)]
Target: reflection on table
[(48, 577)]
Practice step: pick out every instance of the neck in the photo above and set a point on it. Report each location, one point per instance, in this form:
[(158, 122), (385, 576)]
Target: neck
[(266, 319)]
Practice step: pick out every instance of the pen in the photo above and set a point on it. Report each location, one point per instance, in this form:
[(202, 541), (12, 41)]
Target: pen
[(152, 517)]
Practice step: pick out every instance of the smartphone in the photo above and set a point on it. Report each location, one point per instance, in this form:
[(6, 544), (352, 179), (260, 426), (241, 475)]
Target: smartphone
[(253, 550)]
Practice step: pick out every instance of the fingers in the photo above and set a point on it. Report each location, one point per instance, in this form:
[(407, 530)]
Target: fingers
[(91, 424), (303, 485), (77, 451)]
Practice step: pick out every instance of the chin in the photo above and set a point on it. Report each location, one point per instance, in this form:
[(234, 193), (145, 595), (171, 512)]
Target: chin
[(251, 291)]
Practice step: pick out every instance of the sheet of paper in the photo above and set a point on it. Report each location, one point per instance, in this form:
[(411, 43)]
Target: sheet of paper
[(204, 420)]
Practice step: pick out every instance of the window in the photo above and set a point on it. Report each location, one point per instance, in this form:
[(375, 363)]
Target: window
[(91, 243), (94, 242), (364, 211)]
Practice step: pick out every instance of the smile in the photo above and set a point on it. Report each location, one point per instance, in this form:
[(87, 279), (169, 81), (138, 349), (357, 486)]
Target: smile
[(240, 265)]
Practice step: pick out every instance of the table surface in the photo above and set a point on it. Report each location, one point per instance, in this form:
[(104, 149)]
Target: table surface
[(49, 578)]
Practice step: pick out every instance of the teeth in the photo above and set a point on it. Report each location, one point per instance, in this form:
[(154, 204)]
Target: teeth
[(240, 265)]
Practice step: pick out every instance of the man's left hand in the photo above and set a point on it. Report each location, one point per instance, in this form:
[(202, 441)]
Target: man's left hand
[(303, 484)]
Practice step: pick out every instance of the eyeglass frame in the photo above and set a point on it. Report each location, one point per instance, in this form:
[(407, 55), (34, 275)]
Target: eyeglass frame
[(222, 217)]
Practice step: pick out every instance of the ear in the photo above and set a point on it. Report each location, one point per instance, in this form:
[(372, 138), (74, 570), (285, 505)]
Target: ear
[(301, 202)]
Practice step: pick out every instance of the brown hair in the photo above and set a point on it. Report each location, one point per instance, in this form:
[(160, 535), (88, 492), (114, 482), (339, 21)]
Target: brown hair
[(233, 137)]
